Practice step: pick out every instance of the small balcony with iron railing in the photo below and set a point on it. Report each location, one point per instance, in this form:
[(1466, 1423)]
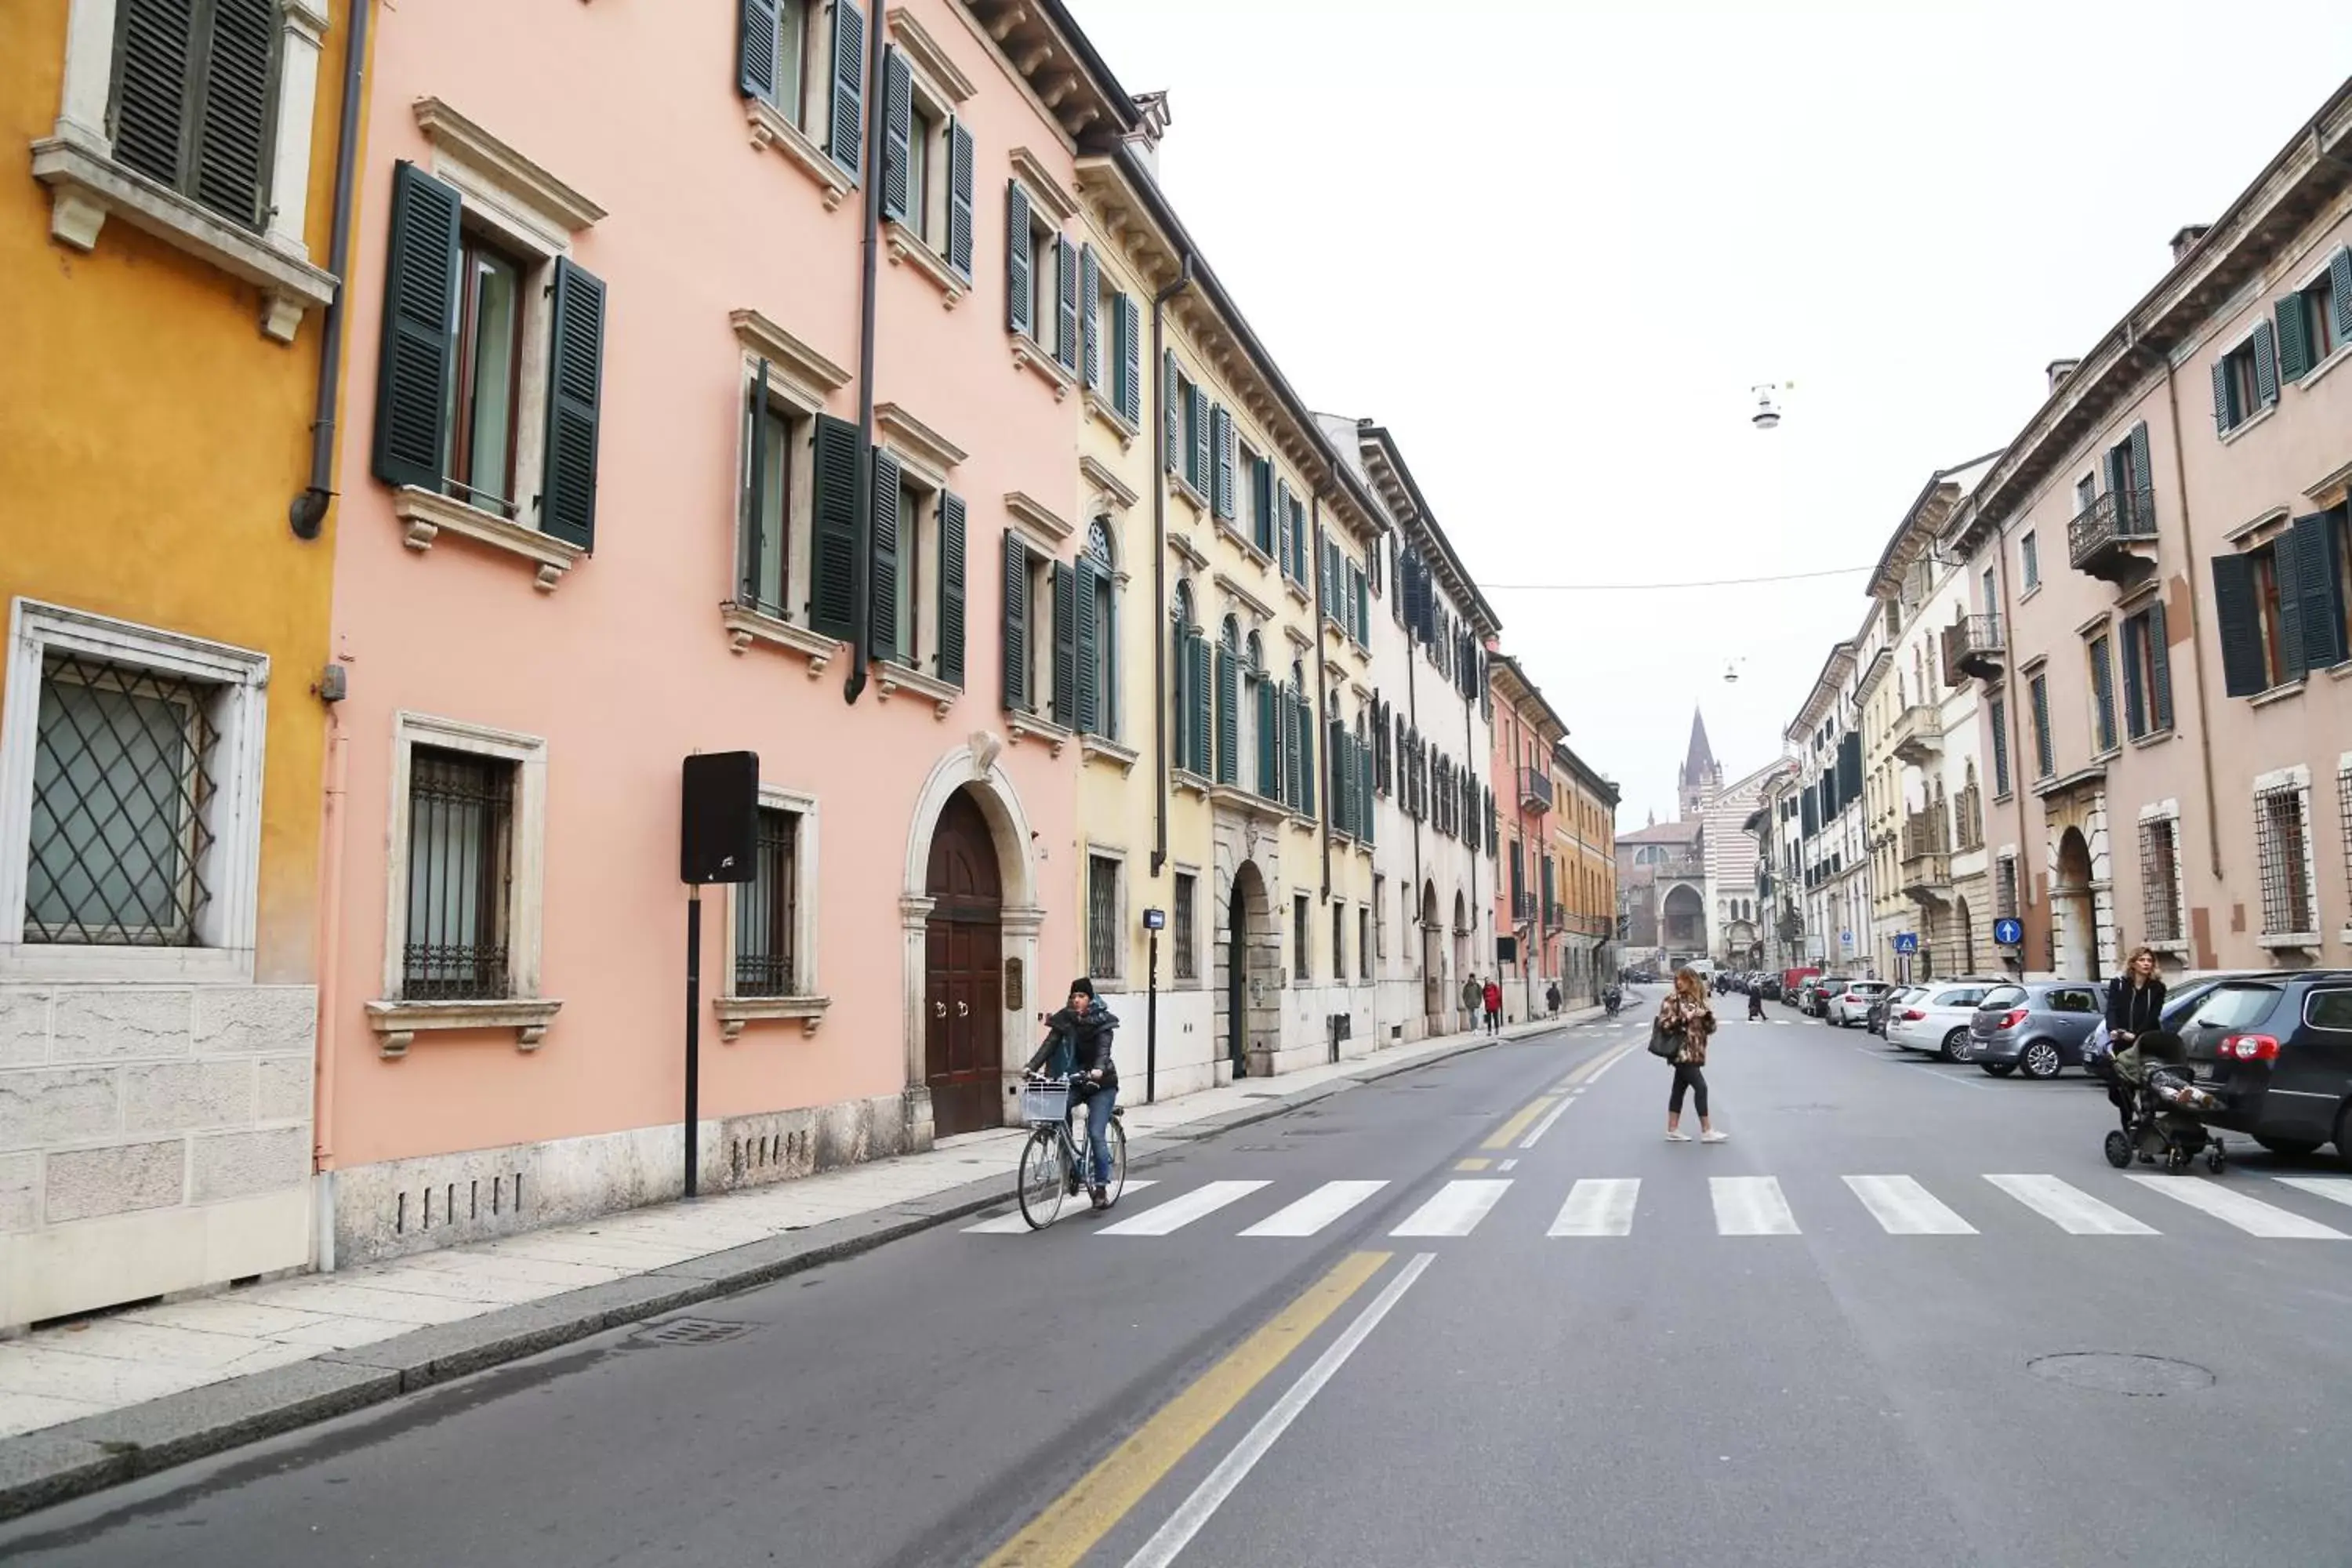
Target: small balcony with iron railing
[(1927, 863), (1555, 917), (1972, 649), (1535, 789), (2113, 538), (1917, 735), (1523, 908)]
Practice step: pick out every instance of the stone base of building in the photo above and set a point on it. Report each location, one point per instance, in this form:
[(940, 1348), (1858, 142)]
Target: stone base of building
[(395, 1208)]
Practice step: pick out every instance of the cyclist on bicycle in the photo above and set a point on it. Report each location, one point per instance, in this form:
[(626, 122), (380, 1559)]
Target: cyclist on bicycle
[(1077, 1046)]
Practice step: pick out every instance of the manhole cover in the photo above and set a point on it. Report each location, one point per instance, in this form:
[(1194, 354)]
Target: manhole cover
[(692, 1332), (2141, 1376)]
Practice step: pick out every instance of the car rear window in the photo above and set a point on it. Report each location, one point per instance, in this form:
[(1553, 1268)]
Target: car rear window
[(2234, 1006), (1869, 985), (1965, 997), (2072, 999), (2329, 1010), (2003, 996)]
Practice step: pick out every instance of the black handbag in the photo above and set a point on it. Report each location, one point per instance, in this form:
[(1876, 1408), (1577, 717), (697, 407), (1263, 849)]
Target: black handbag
[(1664, 1042)]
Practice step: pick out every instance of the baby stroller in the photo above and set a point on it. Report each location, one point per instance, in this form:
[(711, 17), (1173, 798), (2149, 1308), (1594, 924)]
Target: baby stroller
[(2153, 1090)]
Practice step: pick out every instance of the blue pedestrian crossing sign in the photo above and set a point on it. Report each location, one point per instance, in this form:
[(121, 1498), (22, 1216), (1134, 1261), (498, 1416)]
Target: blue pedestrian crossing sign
[(1906, 942), (2008, 933)]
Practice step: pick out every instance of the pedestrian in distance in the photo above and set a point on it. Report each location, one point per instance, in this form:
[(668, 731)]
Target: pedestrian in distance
[(1077, 1046), (1493, 997), (1755, 1004), (1687, 1022), (1551, 999), (1474, 998)]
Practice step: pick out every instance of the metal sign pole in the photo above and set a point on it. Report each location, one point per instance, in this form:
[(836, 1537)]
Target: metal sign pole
[(693, 1023)]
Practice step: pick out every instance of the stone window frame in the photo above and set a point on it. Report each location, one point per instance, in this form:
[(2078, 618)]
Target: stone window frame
[(2295, 781), (395, 1019), (1121, 936), (87, 185), (2164, 812), (225, 951), (808, 1002)]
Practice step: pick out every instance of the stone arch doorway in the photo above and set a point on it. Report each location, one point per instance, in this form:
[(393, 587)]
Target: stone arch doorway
[(1249, 963), (1462, 959), (2073, 926), (963, 937), (1682, 921), (1434, 982)]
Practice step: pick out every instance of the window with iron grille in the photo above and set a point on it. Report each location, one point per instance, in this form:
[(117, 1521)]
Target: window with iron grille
[(767, 909), (1104, 928), (1187, 964), (2160, 879), (124, 781), (1999, 709), (2343, 811), (1363, 944), (460, 867), (1338, 942), (2004, 887), (1300, 957), (2282, 850)]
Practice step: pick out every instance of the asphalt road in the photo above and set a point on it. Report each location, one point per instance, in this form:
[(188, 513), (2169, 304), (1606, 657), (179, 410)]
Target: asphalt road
[(1907, 1363)]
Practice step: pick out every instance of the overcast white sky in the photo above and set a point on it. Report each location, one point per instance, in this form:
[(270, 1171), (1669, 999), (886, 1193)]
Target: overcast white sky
[(1551, 246)]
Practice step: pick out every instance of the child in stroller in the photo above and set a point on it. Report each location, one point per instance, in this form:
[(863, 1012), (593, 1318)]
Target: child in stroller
[(2153, 1091)]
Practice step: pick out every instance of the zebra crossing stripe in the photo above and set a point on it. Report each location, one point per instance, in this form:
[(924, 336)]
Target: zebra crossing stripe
[(2230, 1206), (1598, 1206), (1456, 1209), (2070, 1208), (1014, 1224), (1316, 1210), (1903, 1207), (2334, 1189), (1178, 1213), (1750, 1205)]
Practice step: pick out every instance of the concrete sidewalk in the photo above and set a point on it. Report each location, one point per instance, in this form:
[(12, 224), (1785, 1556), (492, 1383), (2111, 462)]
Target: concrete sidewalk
[(93, 1404)]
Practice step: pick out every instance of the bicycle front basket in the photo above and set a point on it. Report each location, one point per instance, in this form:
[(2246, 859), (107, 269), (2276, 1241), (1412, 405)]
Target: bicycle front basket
[(1043, 1105)]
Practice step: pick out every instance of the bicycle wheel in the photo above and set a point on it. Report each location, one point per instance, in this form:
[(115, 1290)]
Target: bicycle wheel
[(1045, 1179), (1118, 1160)]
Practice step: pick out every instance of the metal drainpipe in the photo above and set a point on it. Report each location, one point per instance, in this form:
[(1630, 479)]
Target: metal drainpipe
[(2014, 741), (861, 564), (1182, 280), (1322, 697), (2196, 638), (1420, 877), (1469, 756), (308, 514)]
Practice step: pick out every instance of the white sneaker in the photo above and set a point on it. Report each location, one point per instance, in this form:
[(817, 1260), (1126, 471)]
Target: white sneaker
[(1677, 1137), (1715, 1137)]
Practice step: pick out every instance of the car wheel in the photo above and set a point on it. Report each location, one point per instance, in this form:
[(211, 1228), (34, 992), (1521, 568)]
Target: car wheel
[(2294, 1147), (2041, 1060), (1956, 1046), (1998, 1069)]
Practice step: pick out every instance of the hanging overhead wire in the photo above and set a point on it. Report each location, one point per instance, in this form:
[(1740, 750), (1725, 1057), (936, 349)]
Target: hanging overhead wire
[(1654, 587)]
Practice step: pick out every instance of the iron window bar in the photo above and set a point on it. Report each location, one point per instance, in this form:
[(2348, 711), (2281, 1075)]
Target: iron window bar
[(461, 867)]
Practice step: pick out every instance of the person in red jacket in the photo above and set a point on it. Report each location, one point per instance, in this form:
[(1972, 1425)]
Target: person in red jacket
[(1494, 1000)]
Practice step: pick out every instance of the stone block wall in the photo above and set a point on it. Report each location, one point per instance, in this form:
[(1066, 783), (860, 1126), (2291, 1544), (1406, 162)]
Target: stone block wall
[(153, 1138)]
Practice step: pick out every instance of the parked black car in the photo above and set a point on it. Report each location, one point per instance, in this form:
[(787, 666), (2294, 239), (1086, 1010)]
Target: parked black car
[(2277, 1049)]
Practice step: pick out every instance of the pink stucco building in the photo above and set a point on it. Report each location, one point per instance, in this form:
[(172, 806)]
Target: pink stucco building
[(601, 477)]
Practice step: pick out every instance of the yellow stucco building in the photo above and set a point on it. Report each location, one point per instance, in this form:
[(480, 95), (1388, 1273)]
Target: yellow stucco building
[(164, 274)]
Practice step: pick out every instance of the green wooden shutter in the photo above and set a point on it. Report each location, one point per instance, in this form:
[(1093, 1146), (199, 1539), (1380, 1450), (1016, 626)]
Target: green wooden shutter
[(882, 638), (755, 50), (2142, 473), (1220, 478), (2134, 697), (1269, 748), (147, 110), (2294, 338), (2339, 284), (898, 130), (2045, 760), (1020, 290), (1015, 641), (2223, 418), (2266, 381), (1179, 660), (1088, 636), (575, 374), (1282, 516), (1090, 355), (755, 452), (951, 588), (1130, 359), (233, 137), (845, 128), (1262, 502), (1065, 645), (2288, 572), (1362, 586), (1066, 284), (959, 196), (1364, 792), (1196, 654), (2103, 693), (416, 362), (1172, 428), (2318, 588), (1229, 717), (1305, 755), (1197, 472), (2159, 663), (2234, 617), (833, 512)]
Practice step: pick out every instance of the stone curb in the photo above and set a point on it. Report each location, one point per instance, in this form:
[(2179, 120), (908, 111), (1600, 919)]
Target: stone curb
[(76, 1458)]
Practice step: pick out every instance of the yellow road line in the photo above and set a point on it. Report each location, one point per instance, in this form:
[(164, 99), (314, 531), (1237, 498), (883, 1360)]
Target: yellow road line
[(1472, 1165), (1074, 1522), (1592, 1069), (1510, 1131)]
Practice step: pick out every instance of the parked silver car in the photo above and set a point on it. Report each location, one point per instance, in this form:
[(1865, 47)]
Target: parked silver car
[(2038, 1027), (1936, 1017), (1850, 1004)]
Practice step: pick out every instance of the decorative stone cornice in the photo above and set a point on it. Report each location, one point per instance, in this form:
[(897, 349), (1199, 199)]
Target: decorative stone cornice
[(745, 626), (734, 1012), (429, 514), (1233, 586), (891, 678), (770, 129), (1028, 509), (1097, 473), (924, 52), (910, 437), (458, 137), (807, 377), (397, 1023), (1042, 188)]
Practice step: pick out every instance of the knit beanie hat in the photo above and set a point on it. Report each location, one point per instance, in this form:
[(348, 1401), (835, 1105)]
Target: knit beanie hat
[(1082, 986)]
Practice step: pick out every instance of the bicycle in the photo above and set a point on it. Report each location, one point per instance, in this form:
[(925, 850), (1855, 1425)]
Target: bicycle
[(1054, 1164)]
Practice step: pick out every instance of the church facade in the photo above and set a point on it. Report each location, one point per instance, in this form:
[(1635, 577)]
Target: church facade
[(1688, 887)]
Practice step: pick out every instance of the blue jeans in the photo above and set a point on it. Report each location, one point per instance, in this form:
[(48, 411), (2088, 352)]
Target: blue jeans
[(1098, 1103)]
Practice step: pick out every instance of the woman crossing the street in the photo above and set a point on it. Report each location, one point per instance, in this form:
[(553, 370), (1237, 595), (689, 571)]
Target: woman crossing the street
[(1685, 1019)]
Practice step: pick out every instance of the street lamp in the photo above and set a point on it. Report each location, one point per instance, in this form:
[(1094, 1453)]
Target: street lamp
[(1768, 414)]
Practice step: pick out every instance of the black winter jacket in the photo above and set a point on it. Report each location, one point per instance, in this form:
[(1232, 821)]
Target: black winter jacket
[(1087, 1036), (2134, 1009)]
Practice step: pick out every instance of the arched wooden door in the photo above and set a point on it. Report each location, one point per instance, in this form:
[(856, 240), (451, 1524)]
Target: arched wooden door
[(963, 1028)]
